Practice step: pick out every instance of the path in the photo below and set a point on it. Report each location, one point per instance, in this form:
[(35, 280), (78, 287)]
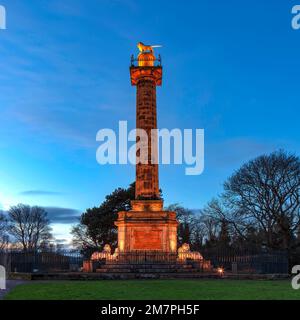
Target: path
[(10, 284)]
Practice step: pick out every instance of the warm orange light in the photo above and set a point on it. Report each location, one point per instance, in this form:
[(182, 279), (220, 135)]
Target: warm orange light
[(146, 59), (121, 245), (173, 245), (142, 47), (184, 253), (105, 254), (220, 271), (121, 238)]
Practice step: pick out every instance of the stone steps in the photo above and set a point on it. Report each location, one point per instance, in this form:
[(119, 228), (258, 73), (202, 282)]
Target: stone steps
[(145, 266), (139, 270), (167, 275), (149, 268), (154, 263)]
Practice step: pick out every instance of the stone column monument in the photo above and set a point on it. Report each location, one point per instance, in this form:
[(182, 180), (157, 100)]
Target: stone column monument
[(147, 226)]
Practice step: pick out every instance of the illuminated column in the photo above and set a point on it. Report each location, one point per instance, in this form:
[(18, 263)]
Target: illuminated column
[(147, 226), (146, 76)]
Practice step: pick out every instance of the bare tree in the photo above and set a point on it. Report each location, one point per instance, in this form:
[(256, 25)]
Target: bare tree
[(199, 233), (212, 216), (216, 213), (185, 218), (3, 232), (265, 193), (29, 226), (81, 238)]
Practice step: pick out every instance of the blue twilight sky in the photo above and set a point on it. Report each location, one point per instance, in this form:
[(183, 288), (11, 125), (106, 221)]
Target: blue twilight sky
[(230, 67)]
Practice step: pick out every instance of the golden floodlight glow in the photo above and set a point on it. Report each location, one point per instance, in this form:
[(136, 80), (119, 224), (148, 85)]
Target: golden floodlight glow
[(146, 59), (173, 245), (220, 271), (121, 245)]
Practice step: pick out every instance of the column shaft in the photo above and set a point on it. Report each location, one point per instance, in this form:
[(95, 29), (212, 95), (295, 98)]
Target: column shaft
[(147, 186)]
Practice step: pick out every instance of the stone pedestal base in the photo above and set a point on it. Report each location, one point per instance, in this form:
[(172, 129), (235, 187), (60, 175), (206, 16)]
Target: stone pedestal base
[(147, 227)]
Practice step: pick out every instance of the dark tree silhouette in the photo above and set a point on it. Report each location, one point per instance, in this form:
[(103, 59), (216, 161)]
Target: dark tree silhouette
[(224, 236), (96, 227), (265, 193), (186, 223), (3, 231), (29, 226)]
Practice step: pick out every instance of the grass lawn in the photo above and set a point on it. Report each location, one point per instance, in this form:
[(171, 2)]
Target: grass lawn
[(156, 289)]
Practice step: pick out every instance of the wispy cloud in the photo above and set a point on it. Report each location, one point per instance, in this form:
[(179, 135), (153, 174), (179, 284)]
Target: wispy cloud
[(62, 215), (40, 193), (57, 215), (62, 93)]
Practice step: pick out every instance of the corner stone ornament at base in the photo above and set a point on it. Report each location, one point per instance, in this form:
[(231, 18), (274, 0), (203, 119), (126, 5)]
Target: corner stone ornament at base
[(105, 254), (184, 253)]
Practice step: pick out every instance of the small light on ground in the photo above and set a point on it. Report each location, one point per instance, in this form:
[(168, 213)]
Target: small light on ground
[(220, 271)]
